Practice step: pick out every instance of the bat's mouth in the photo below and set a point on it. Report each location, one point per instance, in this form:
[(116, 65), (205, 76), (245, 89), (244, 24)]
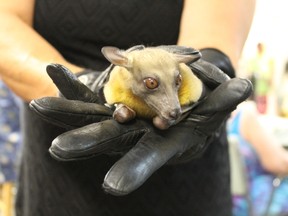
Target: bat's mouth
[(161, 123), (166, 117), (164, 123)]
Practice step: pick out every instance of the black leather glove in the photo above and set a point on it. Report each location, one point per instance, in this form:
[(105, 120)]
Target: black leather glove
[(144, 148)]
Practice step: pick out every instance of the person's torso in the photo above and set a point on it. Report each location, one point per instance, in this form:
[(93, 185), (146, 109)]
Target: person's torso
[(79, 32), (79, 29)]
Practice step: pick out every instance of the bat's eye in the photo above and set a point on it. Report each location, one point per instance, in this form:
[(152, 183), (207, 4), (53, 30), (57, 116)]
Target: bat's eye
[(178, 80), (151, 83)]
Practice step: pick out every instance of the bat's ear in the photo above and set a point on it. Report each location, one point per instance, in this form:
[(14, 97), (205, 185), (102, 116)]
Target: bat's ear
[(116, 56), (192, 57)]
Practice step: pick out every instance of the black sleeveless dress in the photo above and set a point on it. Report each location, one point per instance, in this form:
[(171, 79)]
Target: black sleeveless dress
[(79, 29)]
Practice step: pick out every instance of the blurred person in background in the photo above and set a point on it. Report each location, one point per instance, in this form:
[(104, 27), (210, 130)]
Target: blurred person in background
[(261, 70), (265, 161), (10, 146)]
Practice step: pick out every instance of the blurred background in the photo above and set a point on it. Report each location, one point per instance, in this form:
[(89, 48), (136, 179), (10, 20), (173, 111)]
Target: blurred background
[(258, 187), (270, 29)]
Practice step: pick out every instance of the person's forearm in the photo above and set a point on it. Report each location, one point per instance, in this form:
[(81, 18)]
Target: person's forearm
[(217, 24), (24, 56)]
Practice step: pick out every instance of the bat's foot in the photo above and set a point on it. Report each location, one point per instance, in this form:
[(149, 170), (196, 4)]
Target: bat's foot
[(123, 113)]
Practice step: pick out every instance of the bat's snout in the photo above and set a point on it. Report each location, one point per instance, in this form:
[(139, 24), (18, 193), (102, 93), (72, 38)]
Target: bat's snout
[(174, 114)]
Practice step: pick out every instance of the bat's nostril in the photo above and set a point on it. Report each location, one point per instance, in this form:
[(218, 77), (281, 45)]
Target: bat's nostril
[(174, 114)]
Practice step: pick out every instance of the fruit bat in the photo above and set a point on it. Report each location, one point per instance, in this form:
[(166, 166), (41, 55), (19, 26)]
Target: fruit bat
[(151, 83)]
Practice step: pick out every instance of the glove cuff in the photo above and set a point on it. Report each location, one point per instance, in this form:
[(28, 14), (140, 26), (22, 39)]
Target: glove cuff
[(219, 59)]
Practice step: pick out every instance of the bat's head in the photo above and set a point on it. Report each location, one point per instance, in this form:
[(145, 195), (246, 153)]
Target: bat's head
[(156, 79)]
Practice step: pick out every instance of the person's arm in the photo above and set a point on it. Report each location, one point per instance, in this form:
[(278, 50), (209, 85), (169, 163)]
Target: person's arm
[(24, 53), (273, 157), (223, 25)]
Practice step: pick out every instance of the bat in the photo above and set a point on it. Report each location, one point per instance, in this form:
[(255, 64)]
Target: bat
[(151, 83)]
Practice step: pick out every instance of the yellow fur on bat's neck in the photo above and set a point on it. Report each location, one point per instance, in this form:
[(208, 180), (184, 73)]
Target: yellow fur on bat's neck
[(117, 90)]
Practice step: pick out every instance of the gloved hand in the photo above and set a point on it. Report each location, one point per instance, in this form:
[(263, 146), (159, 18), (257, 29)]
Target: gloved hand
[(144, 148)]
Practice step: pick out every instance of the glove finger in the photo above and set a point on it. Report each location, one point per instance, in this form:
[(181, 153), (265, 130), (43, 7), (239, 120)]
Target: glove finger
[(210, 75), (69, 113), (134, 168), (225, 97), (219, 59), (69, 85), (210, 115), (106, 137)]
